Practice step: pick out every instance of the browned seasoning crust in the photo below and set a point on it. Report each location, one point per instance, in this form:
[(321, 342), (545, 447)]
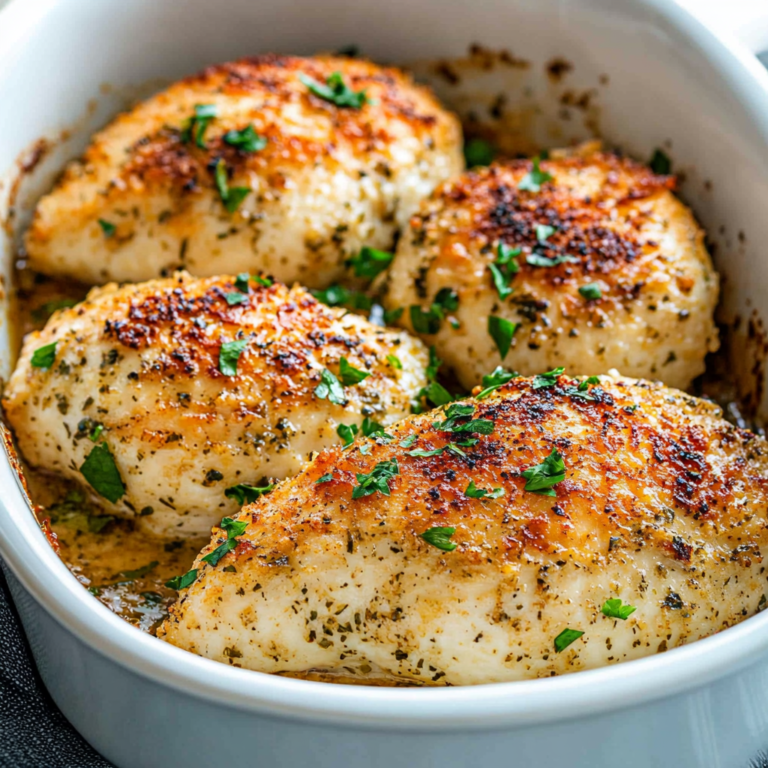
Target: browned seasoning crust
[(500, 211), (598, 219), (329, 179), (164, 158), (143, 363), (663, 504)]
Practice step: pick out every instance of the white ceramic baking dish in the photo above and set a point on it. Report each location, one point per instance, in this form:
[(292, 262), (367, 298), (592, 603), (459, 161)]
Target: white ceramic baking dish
[(656, 77)]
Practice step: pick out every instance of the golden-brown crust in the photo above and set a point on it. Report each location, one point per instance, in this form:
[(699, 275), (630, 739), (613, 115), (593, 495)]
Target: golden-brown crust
[(186, 417), (319, 183), (284, 328), (700, 469), (164, 158), (584, 228), (661, 510), (609, 270)]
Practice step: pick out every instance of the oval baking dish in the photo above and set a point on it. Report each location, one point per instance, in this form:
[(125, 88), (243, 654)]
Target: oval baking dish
[(646, 74)]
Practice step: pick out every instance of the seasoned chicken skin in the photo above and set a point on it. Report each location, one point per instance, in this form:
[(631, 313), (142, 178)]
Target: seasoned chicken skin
[(659, 504), (320, 180), (611, 271), (161, 396)]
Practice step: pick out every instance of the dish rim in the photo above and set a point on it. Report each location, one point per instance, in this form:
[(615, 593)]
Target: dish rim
[(38, 568)]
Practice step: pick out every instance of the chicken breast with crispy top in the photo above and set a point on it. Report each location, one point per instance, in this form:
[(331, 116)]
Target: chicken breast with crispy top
[(554, 525), (277, 163), (586, 261), (162, 397)]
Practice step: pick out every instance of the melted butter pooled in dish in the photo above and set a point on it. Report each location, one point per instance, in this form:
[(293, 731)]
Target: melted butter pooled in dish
[(123, 567), (553, 525)]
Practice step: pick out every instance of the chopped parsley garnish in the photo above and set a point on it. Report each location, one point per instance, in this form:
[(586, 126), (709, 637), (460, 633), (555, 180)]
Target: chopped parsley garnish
[(566, 637), (548, 379), (428, 321), (500, 281), (458, 411), (391, 316), (504, 268), (324, 479), (440, 538), (591, 291), (660, 163), (107, 228), (246, 140), (539, 260), (581, 394), (230, 196), (533, 180), (229, 354), (182, 582), (583, 388), (541, 477), (433, 366), (43, 357), (350, 375), (195, 127), (477, 426), (102, 474), (407, 442), (473, 492), (140, 573), (544, 231), (424, 453), (370, 262), (243, 281), (347, 433), (95, 432), (478, 152), (613, 609), (507, 257), (371, 428), (335, 91), (452, 447), (235, 298), (338, 295), (437, 394), (493, 381), (330, 388), (376, 480), (243, 493), (501, 331), (233, 528), (446, 300), (395, 362)]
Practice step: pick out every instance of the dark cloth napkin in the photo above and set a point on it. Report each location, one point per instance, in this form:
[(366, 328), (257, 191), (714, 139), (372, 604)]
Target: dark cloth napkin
[(33, 732)]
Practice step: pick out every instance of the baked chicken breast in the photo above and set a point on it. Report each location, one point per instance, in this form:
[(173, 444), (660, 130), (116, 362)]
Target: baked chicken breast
[(586, 260), (163, 397), (552, 525), (277, 163)]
